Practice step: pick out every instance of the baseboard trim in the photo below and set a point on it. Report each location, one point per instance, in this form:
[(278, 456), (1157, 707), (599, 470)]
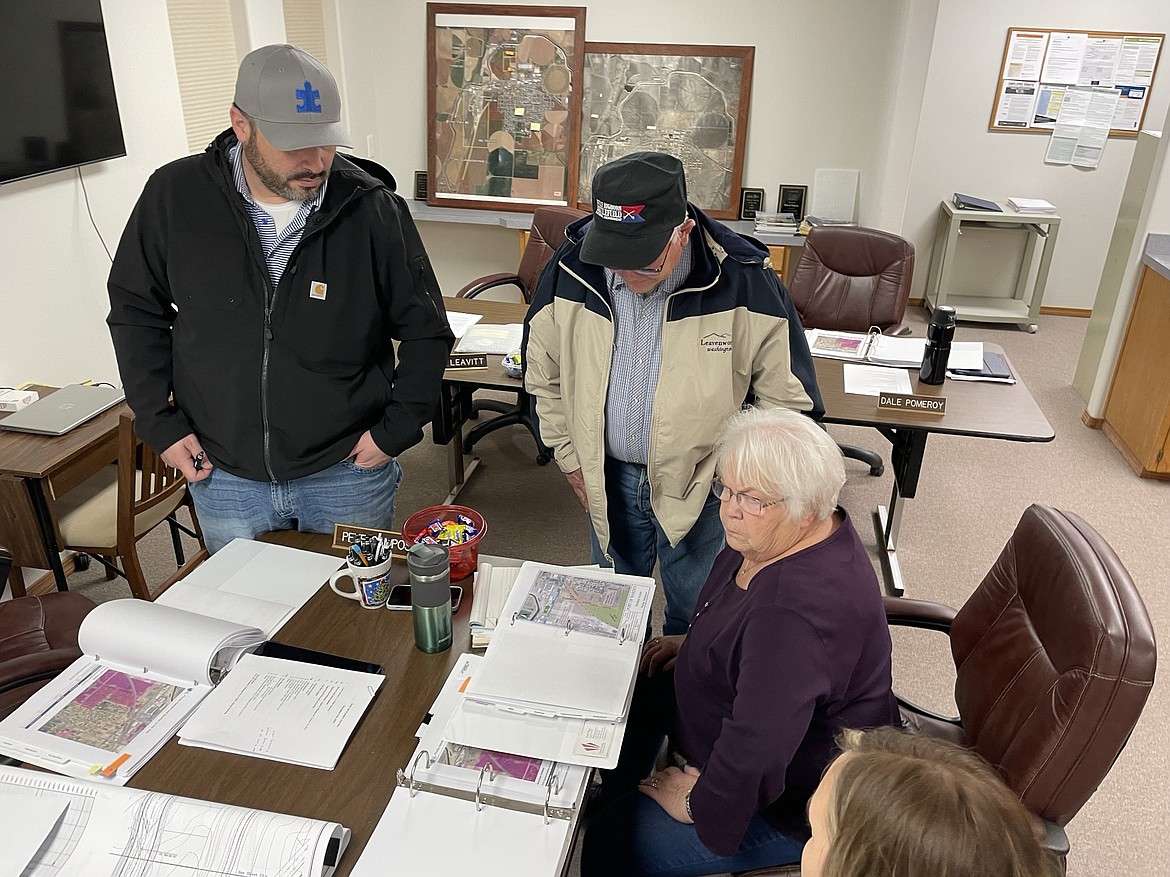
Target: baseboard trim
[(1090, 421), (1051, 312)]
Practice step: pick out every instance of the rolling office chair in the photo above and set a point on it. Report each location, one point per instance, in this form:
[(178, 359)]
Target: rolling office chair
[(1054, 656), (106, 515), (548, 233), (850, 279), (38, 639)]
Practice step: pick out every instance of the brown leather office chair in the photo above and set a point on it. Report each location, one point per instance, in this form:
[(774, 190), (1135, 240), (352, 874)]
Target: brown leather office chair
[(850, 279), (548, 233), (106, 515), (1055, 657), (38, 639)]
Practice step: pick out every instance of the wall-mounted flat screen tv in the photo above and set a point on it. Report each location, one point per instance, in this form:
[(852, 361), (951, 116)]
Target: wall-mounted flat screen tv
[(60, 109)]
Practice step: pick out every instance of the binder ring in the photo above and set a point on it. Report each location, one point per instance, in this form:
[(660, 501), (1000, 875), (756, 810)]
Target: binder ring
[(553, 785), (568, 628), (514, 614), (411, 785), (491, 776)]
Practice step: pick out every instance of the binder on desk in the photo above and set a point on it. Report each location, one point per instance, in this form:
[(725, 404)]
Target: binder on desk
[(970, 202), (480, 806)]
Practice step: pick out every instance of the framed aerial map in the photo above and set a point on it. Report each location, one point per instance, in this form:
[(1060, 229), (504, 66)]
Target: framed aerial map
[(503, 104), (689, 101)]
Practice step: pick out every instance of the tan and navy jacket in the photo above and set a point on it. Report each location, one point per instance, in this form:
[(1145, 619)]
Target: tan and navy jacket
[(731, 335)]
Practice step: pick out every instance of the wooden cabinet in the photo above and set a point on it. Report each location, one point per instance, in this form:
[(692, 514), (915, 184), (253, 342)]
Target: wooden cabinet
[(1137, 413)]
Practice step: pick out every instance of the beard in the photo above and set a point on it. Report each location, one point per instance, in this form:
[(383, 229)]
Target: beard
[(277, 184)]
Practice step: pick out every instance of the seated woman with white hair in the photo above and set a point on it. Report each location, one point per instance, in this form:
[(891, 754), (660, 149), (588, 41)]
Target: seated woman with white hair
[(788, 645)]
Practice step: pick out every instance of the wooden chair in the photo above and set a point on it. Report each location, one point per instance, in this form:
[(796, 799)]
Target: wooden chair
[(108, 514)]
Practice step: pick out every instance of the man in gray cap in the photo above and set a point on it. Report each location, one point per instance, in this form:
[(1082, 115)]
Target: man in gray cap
[(648, 329), (255, 299)]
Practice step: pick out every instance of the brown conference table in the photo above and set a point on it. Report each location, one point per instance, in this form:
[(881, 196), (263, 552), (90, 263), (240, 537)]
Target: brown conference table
[(977, 409), (1006, 412), (35, 470), (356, 792)]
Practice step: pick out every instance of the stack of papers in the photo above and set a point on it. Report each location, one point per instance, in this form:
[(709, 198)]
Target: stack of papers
[(887, 350), (499, 338), (283, 710), (493, 583), (1030, 205), (70, 828), (776, 223)]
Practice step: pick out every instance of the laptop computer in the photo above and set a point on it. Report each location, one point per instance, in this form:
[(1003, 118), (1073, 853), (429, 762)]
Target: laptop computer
[(63, 410)]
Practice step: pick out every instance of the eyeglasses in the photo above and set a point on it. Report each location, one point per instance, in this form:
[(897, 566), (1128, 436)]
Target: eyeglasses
[(753, 505), (655, 271)]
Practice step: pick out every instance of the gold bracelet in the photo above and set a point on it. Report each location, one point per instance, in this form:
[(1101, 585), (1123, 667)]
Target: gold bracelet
[(687, 804)]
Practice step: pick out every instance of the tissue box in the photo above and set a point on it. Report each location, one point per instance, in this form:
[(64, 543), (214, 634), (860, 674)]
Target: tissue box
[(14, 400)]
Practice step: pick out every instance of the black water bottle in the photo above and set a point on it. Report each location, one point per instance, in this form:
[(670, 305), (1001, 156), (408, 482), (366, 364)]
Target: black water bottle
[(939, 334)]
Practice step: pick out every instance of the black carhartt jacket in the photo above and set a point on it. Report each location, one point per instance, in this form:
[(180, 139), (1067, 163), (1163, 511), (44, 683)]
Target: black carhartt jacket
[(276, 383)]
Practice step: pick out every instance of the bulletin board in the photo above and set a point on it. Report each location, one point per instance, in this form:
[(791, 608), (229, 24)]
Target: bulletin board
[(1041, 67)]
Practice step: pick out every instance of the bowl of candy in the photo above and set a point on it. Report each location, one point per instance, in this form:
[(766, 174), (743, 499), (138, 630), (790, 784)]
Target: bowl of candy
[(513, 364), (456, 526)]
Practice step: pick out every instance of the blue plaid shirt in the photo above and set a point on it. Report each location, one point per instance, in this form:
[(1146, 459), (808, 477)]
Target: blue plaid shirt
[(637, 359), (278, 248)]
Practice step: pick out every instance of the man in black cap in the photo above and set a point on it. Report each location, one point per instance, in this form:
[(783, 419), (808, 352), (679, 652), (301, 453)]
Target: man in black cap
[(254, 301), (650, 326)]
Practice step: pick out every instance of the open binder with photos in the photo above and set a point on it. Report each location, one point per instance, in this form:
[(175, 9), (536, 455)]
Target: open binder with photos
[(485, 805)]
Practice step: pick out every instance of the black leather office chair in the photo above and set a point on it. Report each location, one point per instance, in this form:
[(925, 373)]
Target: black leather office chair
[(850, 279), (548, 233)]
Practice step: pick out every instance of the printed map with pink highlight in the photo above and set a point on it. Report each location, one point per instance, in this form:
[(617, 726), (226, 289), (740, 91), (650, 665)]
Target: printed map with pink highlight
[(112, 711)]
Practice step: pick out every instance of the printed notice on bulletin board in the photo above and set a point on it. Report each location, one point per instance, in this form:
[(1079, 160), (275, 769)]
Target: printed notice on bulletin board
[(1049, 77)]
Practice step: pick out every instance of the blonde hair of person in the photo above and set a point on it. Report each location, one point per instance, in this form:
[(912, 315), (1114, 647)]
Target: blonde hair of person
[(905, 805), (784, 455)]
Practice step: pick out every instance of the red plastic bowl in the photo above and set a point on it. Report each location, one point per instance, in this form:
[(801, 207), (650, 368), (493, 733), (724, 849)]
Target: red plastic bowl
[(464, 557)]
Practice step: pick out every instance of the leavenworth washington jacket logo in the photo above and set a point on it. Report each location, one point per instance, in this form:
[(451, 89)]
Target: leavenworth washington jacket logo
[(716, 342)]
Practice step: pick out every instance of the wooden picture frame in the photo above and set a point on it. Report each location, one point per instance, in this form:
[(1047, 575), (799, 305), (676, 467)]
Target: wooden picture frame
[(792, 199), (689, 101), (503, 105)]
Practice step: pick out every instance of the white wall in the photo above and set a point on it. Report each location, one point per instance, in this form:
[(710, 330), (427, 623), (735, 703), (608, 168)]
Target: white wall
[(955, 152), (53, 306), (898, 89)]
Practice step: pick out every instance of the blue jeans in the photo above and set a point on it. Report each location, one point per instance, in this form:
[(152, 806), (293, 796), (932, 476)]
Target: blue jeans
[(634, 835), (231, 507), (636, 540)]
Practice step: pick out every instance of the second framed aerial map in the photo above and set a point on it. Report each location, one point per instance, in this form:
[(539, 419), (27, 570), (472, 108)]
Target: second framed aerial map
[(689, 101), (503, 104)]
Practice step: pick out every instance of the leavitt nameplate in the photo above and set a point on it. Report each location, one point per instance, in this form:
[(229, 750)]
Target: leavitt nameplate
[(348, 535), (467, 360), (921, 404)]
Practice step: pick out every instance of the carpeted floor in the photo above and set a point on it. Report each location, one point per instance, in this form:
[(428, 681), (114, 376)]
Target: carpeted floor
[(972, 492)]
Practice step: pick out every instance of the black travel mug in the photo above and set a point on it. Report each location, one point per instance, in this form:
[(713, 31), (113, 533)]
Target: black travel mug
[(430, 595), (939, 335)]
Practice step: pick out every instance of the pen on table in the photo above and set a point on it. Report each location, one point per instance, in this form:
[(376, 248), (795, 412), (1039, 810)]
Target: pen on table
[(199, 462)]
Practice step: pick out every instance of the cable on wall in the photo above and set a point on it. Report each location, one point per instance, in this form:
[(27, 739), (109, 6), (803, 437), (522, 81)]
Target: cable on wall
[(93, 222)]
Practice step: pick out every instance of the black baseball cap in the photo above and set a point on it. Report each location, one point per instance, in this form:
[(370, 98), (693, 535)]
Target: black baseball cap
[(638, 201)]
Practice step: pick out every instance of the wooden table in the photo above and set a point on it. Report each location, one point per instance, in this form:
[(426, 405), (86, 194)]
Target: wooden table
[(983, 410), (35, 470), (356, 792), (459, 384)]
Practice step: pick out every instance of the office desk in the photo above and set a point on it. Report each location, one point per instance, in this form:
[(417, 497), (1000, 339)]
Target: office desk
[(982, 410), (36, 469), (357, 791), (458, 386)]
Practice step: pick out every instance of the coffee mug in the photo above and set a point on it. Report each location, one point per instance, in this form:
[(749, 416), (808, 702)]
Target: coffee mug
[(371, 583)]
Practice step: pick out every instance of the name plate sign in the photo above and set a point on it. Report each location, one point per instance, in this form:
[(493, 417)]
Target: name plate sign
[(921, 404), (467, 360), (346, 535)]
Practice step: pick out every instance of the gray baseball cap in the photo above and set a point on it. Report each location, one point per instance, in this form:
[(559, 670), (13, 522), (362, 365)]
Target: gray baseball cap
[(292, 97)]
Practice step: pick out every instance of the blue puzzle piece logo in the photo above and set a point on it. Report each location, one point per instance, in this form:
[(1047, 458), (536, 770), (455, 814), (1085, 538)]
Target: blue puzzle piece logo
[(308, 99)]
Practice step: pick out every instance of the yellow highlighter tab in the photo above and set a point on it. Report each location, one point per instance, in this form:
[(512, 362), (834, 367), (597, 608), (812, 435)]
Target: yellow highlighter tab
[(112, 768)]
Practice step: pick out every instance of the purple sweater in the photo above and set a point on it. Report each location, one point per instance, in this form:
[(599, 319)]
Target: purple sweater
[(768, 676)]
